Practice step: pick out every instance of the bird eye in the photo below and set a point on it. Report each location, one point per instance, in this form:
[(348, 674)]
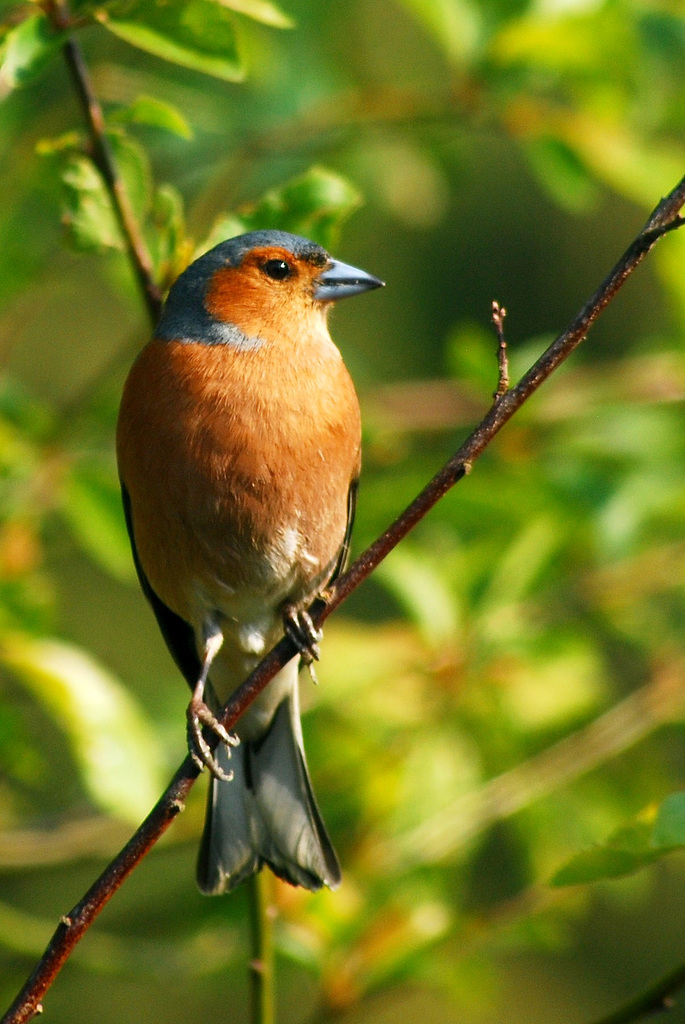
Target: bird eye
[(277, 269)]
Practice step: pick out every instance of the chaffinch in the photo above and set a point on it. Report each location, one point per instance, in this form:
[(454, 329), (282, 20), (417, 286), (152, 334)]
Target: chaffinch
[(238, 444)]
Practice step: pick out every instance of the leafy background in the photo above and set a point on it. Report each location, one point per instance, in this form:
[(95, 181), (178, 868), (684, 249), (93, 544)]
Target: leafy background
[(497, 741)]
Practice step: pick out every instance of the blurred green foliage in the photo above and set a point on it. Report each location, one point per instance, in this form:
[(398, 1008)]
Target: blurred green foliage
[(502, 705)]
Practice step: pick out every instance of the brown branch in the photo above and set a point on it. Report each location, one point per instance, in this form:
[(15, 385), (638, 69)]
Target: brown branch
[(664, 219), (58, 13)]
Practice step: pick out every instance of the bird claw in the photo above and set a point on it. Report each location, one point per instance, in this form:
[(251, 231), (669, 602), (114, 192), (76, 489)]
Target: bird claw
[(299, 627), (199, 715)]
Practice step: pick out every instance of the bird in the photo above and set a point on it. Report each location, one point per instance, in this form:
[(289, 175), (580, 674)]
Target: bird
[(239, 452)]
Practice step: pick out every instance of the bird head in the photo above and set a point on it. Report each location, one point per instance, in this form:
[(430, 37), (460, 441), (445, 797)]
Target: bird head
[(251, 288)]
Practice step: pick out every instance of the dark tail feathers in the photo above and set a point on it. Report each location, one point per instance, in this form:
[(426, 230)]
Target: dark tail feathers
[(266, 814)]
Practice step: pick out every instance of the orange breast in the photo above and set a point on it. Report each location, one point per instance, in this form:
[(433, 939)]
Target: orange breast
[(238, 465)]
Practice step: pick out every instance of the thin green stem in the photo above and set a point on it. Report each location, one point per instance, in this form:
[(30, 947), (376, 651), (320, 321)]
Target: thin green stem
[(262, 1001)]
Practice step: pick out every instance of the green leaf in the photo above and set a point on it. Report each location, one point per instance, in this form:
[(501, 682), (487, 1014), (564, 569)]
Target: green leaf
[(91, 503), (260, 10), (27, 50), (653, 835), (627, 850), (148, 110), (87, 210), (314, 204), (197, 34), (133, 165), (601, 863), (111, 740)]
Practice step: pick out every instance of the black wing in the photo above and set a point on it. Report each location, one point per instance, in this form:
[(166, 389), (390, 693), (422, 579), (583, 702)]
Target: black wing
[(178, 634), (345, 549)]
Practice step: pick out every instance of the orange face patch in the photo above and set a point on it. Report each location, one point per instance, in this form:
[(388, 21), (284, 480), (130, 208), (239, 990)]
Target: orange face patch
[(260, 304)]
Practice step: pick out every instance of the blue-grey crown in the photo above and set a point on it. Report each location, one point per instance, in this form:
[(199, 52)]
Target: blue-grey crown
[(185, 317)]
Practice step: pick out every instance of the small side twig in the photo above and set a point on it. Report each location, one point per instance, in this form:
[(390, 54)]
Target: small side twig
[(664, 219), (498, 315)]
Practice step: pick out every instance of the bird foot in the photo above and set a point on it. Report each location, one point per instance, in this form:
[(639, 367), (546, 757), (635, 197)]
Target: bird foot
[(199, 715), (299, 627)]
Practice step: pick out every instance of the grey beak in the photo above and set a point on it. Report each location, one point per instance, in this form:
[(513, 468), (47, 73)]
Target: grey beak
[(340, 280)]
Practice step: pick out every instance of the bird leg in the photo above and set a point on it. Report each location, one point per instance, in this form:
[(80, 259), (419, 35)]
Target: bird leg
[(299, 627), (199, 715)]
